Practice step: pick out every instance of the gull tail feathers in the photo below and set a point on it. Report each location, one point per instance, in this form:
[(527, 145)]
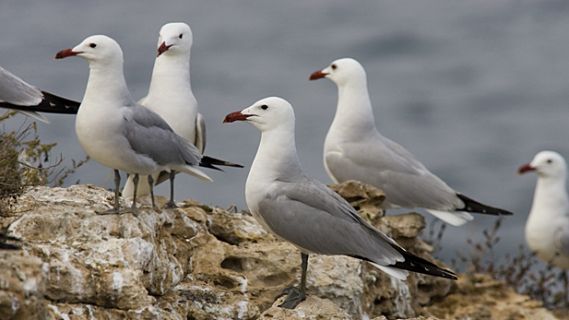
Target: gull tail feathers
[(455, 218), (194, 171), (474, 206), (393, 272)]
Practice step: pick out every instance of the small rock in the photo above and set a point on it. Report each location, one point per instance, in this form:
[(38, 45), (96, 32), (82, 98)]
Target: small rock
[(234, 228), (366, 198)]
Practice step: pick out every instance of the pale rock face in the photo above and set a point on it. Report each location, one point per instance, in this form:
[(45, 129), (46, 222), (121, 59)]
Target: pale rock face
[(313, 308), (195, 262)]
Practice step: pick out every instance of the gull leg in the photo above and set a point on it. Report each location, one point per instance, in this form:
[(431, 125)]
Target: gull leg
[(116, 208), (296, 295), (171, 204), (151, 184), (133, 209)]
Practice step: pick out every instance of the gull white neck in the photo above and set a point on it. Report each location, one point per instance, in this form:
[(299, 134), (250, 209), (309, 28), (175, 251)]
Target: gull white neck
[(354, 113), (549, 193), (106, 84), (276, 157), (170, 73)]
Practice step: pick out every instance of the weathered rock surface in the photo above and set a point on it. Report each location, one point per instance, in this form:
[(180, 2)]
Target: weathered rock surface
[(197, 262), (480, 297)]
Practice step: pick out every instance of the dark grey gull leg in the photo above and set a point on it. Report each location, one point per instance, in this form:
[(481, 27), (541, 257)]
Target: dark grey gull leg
[(296, 295), (133, 209), (151, 185), (116, 208), (171, 204)]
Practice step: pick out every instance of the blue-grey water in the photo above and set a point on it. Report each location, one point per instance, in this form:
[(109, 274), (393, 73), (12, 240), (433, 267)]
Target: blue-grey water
[(472, 88)]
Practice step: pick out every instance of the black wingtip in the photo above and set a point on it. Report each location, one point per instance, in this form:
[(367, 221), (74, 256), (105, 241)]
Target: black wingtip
[(474, 206), (209, 162), (417, 264), (50, 104)]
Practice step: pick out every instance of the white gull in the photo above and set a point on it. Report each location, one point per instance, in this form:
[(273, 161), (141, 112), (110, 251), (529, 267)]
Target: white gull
[(354, 149), (305, 212), (116, 131)]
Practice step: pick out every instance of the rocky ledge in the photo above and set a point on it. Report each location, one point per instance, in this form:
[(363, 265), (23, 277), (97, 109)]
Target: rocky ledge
[(201, 262)]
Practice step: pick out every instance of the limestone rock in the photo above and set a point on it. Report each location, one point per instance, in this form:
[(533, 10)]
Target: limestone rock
[(481, 297), (235, 228), (199, 262), (22, 286), (365, 198), (313, 308)]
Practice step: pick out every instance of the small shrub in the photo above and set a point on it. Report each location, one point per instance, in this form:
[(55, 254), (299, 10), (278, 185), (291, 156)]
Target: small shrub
[(26, 161)]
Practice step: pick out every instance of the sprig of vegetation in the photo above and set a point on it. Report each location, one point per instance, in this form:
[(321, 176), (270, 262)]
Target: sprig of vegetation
[(26, 161), (523, 271)]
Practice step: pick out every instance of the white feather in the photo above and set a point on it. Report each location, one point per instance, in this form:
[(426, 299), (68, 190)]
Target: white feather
[(455, 218)]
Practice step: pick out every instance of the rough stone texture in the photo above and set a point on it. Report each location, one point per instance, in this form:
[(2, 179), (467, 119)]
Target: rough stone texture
[(365, 198), (198, 262), (22, 284), (480, 297), (313, 308)]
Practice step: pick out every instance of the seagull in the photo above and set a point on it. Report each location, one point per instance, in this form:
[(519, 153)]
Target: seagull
[(117, 132), (305, 212), (170, 96), (17, 94), (547, 227), (355, 150)]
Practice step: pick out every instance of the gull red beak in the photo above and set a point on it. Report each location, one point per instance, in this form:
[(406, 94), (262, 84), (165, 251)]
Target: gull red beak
[(236, 116), (163, 48), (66, 53), (317, 75), (525, 168)]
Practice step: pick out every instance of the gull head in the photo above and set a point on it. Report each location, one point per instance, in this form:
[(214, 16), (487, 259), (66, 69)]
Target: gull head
[(175, 39), (547, 164), (95, 49), (266, 114), (341, 72)]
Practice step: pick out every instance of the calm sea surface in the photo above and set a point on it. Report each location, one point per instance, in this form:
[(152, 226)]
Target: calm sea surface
[(472, 88)]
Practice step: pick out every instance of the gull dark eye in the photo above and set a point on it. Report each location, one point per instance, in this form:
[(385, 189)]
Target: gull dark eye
[(334, 67), (264, 107), (549, 161), (181, 35), (92, 45)]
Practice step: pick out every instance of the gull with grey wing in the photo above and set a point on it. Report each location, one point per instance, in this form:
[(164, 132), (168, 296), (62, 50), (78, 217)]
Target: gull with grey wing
[(355, 150), (305, 212), (116, 131), (170, 95)]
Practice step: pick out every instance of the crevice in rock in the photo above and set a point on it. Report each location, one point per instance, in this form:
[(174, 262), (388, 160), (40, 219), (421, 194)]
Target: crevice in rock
[(233, 263), (223, 237)]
